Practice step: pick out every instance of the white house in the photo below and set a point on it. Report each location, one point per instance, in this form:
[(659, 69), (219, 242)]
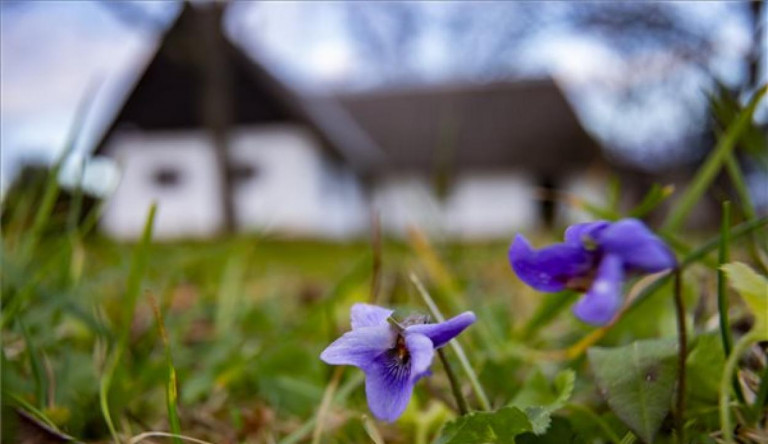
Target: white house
[(220, 143)]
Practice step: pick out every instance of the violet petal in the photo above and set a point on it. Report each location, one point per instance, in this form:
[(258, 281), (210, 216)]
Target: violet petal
[(575, 234), (359, 347), (550, 268), (421, 353), (638, 248), (443, 332), (367, 315), (388, 387), (602, 301)]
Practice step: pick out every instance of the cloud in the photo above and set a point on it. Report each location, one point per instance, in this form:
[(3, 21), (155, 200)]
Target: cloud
[(50, 52)]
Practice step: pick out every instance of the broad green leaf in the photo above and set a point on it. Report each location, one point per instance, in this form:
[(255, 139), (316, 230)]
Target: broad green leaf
[(501, 426), (539, 399), (753, 288), (705, 365), (561, 432), (564, 382), (638, 382)]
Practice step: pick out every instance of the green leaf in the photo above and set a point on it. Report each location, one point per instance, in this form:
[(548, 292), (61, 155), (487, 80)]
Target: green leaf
[(638, 381), (539, 399), (753, 288), (501, 426), (704, 365), (560, 432)]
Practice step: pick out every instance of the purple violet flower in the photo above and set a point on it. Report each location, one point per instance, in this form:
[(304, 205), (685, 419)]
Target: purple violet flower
[(392, 359), (594, 258)]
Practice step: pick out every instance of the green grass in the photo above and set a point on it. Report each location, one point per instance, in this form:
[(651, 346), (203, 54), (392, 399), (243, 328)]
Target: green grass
[(219, 341), (246, 319)]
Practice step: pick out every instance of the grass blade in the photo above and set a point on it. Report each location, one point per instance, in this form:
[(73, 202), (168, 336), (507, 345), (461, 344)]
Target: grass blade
[(138, 265), (325, 404), (712, 165), (37, 367), (177, 437), (722, 291), (171, 392), (230, 298), (342, 394), (73, 218), (373, 432), (27, 407), (656, 195), (747, 208), (52, 188), (482, 398)]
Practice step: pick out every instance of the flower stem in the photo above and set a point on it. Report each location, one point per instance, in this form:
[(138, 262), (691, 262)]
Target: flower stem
[(398, 326), (461, 402), (473, 379), (722, 292), (682, 355), (722, 295)]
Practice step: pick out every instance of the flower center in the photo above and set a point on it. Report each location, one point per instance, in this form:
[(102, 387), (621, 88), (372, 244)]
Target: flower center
[(400, 350), (581, 283), (414, 320), (588, 243)]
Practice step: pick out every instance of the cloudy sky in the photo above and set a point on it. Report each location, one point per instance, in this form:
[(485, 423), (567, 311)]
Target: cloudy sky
[(52, 53)]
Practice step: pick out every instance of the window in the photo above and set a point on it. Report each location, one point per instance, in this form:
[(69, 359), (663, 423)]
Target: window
[(243, 173), (167, 177)]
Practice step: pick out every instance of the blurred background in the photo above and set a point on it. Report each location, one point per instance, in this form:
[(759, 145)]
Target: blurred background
[(468, 119)]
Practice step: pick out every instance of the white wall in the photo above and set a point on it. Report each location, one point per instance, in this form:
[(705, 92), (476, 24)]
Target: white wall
[(589, 186), (189, 208), (403, 200), (491, 205), (479, 205), (296, 189)]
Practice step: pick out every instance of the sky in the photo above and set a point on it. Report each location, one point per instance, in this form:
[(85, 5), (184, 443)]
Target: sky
[(55, 54)]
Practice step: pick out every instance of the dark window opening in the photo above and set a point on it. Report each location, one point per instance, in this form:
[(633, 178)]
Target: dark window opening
[(548, 205), (243, 173), (167, 177)]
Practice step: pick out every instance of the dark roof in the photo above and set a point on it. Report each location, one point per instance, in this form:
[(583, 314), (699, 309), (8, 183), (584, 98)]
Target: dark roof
[(169, 94), (502, 125)]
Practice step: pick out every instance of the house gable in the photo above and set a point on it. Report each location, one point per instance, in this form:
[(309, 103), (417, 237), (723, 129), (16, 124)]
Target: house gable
[(170, 94)]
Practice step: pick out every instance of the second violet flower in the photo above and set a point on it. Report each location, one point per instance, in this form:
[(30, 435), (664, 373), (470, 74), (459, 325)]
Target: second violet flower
[(595, 258), (392, 357)]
